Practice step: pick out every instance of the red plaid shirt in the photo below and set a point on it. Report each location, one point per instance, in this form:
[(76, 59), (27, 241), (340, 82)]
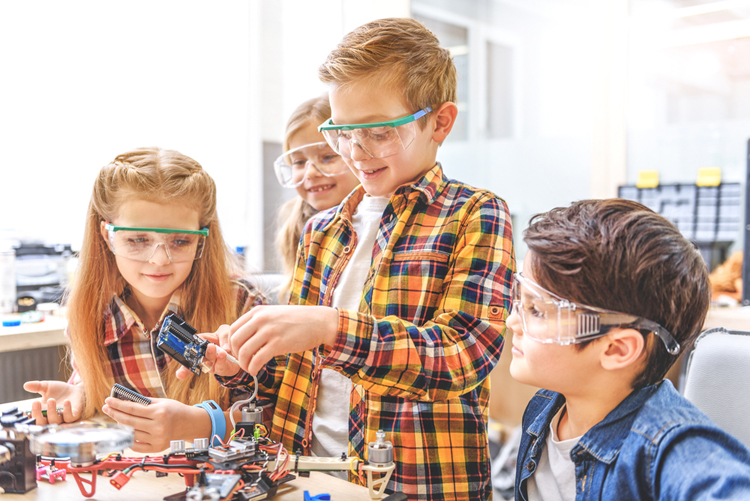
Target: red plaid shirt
[(135, 361)]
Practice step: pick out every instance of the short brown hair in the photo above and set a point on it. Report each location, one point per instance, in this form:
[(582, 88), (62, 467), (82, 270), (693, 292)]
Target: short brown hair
[(620, 255), (398, 52)]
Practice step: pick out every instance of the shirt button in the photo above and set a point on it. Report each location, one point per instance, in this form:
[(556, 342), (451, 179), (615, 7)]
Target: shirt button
[(530, 466), (347, 249), (494, 310)]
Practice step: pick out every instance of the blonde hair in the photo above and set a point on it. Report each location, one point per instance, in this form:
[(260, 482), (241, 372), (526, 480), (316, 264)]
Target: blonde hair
[(207, 299), (400, 53), (295, 213)]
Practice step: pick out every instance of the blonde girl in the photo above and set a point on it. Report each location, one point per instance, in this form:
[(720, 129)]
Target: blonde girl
[(320, 177), (152, 246)]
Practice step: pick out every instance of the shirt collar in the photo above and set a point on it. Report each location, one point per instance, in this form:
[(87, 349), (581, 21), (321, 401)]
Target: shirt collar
[(120, 318), (427, 187), (604, 440)]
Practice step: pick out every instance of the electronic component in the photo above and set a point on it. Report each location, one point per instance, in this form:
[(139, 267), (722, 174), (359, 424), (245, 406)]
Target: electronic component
[(81, 442), (49, 473), (222, 484), (251, 416), (119, 391), (240, 470), (17, 463), (177, 339), (233, 451)]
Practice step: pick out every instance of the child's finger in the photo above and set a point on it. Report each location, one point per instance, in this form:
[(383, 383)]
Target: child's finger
[(223, 333), (222, 365), (209, 336), (244, 319), (52, 416), (182, 373), (125, 407), (67, 413), (33, 386), (36, 413)]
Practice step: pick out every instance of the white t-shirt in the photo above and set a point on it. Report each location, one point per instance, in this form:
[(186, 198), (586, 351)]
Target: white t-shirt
[(330, 425), (555, 476)]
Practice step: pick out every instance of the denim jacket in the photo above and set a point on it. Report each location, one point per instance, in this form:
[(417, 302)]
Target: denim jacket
[(653, 445)]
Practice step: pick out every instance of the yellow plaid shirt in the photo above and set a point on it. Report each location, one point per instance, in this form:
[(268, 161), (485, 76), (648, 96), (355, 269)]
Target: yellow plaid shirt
[(419, 350)]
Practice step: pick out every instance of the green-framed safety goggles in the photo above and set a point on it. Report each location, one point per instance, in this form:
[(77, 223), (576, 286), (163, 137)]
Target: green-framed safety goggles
[(140, 244), (377, 140)]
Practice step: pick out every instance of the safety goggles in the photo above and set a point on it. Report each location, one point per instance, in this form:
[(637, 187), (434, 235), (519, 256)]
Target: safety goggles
[(140, 244), (548, 318), (377, 140), (291, 167)]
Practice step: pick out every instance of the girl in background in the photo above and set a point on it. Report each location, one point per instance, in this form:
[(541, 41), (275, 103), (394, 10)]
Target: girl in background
[(319, 175), (152, 246)]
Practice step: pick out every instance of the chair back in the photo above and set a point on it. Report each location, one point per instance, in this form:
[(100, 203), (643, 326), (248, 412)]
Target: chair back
[(717, 379)]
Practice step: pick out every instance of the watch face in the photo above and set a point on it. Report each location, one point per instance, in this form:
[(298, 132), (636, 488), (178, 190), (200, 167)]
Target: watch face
[(81, 442)]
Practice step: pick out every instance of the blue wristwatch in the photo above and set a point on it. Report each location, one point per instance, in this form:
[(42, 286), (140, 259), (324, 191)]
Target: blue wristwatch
[(218, 421)]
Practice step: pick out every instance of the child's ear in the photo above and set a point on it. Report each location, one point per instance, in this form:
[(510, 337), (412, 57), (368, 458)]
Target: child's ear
[(623, 348), (104, 233), (445, 117)]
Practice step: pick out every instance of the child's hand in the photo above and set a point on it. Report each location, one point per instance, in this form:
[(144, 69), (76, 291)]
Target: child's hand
[(267, 331), (216, 358), (70, 395), (160, 422)]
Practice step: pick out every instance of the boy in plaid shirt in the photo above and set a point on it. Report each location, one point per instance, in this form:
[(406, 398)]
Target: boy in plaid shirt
[(400, 294)]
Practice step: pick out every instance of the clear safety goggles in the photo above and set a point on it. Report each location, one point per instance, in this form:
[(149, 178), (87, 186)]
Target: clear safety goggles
[(548, 318), (140, 244), (291, 167), (377, 140)]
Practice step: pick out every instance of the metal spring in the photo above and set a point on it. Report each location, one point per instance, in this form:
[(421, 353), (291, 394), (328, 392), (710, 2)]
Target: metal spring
[(119, 391)]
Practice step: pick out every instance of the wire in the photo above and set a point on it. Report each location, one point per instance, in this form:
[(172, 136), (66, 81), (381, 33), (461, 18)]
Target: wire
[(239, 403), (353, 465)]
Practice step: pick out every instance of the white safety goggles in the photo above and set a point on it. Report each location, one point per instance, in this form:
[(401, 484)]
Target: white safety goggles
[(548, 318)]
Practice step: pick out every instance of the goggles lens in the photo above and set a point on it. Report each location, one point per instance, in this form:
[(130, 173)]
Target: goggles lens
[(377, 140), (548, 318), (140, 244), (291, 167)]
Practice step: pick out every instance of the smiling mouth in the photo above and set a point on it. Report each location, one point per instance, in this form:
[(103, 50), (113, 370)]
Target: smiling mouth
[(372, 171), (324, 187)]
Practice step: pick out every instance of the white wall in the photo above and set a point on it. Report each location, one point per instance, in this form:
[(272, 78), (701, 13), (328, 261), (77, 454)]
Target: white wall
[(83, 80), (568, 141)]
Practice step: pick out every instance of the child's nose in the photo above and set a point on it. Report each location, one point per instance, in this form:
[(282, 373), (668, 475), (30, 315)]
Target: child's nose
[(160, 256), (312, 171), (358, 153), (514, 321)]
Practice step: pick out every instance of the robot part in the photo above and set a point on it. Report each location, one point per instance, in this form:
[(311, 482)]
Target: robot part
[(178, 340), (119, 391)]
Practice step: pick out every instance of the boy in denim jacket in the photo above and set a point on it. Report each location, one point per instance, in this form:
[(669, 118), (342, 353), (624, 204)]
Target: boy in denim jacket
[(609, 295), (400, 294)]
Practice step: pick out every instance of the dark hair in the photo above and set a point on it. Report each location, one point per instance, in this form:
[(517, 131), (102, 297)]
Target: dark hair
[(620, 255)]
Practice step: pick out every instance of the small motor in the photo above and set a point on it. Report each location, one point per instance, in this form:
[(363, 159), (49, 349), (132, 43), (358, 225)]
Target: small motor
[(380, 452), (251, 415)]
